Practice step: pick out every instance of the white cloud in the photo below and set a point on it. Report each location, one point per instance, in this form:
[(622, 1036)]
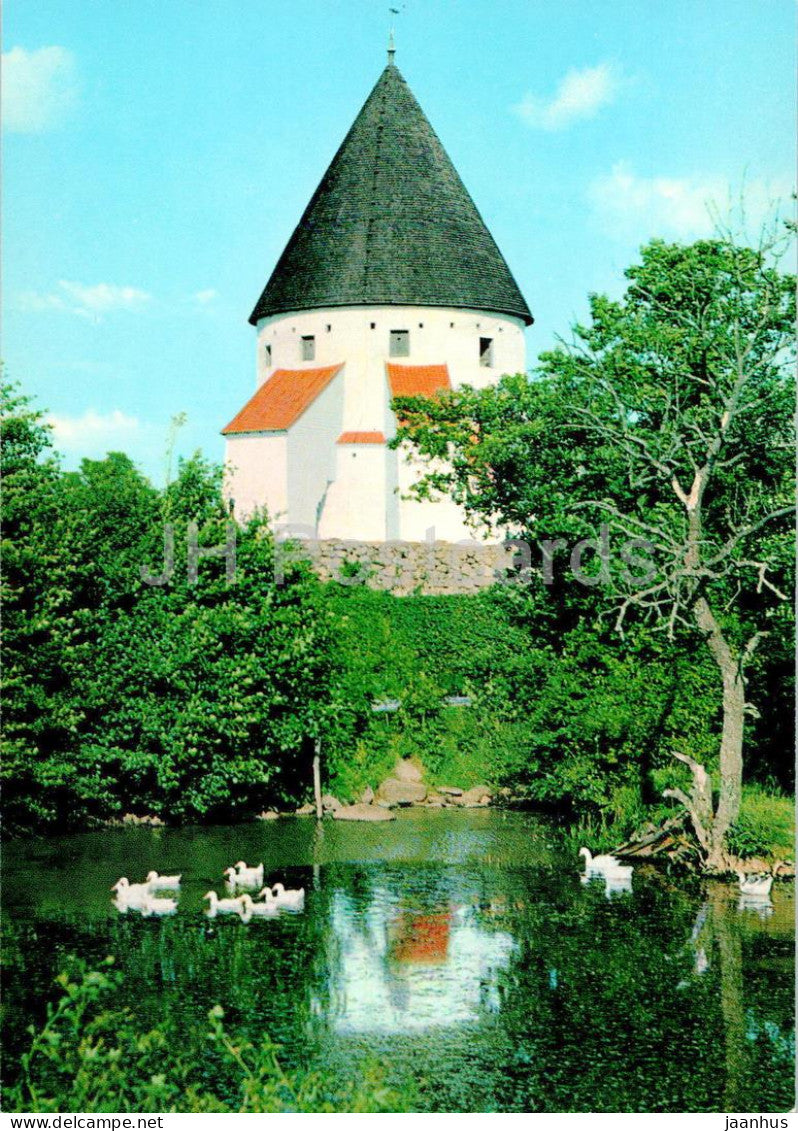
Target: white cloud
[(634, 207), (93, 433), (85, 301), (39, 88), (581, 94), (35, 303), (204, 297), (102, 297)]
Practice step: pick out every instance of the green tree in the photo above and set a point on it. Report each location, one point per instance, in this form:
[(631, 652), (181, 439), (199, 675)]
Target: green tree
[(38, 629), (667, 420), (191, 698)]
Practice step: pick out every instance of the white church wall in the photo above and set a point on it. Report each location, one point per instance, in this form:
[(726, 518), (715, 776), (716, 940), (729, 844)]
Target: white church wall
[(364, 499), (355, 507), (312, 454), (438, 520), (360, 336), (256, 473)]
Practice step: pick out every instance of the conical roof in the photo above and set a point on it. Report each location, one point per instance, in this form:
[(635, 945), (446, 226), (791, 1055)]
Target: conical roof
[(391, 224)]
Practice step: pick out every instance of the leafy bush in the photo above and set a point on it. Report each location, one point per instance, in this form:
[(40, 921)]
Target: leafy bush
[(766, 825), (192, 699), (89, 1056), (420, 650)]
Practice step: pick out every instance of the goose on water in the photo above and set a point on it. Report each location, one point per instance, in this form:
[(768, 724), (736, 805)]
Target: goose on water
[(218, 906), (755, 883), (248, 907), (247, 875), (294, 897), (236, 880), (618, 882), (162, 883), (153, 906), (601, 863), (130, 893), (243, 877)]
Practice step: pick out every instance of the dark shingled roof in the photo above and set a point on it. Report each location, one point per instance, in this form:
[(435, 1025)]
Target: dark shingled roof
[(391, 224)]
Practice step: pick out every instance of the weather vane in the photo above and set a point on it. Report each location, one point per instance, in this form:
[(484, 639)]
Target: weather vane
[(391, 44)]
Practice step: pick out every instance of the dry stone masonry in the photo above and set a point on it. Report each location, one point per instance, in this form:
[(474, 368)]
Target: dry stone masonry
[(403, 568)]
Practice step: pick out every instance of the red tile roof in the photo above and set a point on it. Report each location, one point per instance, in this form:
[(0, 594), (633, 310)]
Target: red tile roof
[(361, 438), (281, 400), (417, 380)]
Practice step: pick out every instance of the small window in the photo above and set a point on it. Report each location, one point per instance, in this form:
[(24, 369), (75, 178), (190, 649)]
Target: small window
[(267, 354), (329, 327), (400, 343), (373, 325), (308, 347), (486, 352)]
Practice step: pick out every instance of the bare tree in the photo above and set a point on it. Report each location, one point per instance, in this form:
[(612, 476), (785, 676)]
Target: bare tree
[(668, 419), (690, 379)]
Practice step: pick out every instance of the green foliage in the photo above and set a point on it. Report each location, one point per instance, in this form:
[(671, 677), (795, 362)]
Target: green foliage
[(667, 417), (192, 698), (196, 699), (419, 650), (766, 825), (574, 721), (90, 1055)]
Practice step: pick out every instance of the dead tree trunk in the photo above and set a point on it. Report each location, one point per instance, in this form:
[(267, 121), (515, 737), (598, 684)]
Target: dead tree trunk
[(317, 778), (712, 824), (731, 742)]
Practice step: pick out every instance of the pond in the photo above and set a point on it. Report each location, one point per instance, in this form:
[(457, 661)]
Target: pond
[(459, 950)]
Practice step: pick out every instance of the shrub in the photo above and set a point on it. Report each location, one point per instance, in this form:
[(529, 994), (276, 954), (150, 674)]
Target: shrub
[(90, 1056), (766, 825)]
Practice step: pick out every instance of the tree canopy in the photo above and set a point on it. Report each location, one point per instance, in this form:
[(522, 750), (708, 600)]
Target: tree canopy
[(668, 421)]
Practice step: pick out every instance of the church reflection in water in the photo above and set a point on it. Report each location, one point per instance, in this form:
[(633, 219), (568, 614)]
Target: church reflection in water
[(401, 969)]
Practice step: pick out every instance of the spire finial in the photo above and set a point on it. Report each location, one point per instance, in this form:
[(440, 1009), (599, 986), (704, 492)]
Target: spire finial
[(391, 43)]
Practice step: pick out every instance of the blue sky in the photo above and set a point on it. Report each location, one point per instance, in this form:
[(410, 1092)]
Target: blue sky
[(158, 154)]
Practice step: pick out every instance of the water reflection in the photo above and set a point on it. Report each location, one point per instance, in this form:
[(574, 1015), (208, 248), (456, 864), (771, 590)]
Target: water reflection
[(762, 906), (613, 884), (400, 970), (459, 949)]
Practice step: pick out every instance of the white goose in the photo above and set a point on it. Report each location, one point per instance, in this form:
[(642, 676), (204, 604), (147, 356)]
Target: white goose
[(293, 898), (235, 880), (220, 906), (153, 906), (131, 894), (755, 883), (250, 908), (162, 883), (252, 877), (604, 864)]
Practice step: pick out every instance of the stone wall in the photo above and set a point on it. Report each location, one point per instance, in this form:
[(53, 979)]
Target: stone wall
[(405, 567)]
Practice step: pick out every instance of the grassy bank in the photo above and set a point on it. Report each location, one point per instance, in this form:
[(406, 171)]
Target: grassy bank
[(584, 727)]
